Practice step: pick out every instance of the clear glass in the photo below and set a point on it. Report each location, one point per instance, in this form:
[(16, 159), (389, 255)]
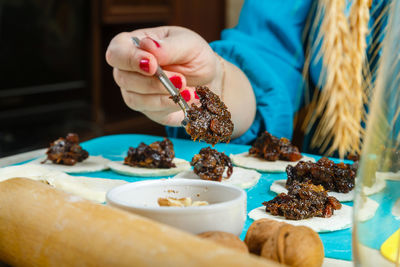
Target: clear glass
[(378, 180)]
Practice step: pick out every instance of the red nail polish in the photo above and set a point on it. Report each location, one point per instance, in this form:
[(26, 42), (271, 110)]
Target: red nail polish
[(144, 64), (156, 43), (186, 95), (195, 95), (176, 81)]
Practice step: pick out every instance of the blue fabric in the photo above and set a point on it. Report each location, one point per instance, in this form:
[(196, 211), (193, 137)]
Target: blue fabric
[(268, 46)]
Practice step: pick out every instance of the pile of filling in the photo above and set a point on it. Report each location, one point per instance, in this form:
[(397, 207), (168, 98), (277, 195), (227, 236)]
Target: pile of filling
[(159, 154), (333, 177), (210, 164), (303, 200), (211, 122), (66, 151), (271, 148)]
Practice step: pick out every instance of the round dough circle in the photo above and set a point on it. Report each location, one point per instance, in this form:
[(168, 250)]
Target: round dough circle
[(250, 162), (341, 219), (119, 167), (240, 177), (91, 188), (91, 164)]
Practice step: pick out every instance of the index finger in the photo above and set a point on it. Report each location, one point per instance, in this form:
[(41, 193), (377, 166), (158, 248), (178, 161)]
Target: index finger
[(123, 54)]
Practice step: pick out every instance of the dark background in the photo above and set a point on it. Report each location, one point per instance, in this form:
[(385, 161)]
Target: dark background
[(53, 75)]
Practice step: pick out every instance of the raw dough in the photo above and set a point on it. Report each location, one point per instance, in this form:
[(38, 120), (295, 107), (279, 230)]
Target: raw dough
[(250, 162), (94, 189), (367, 209), (341, 219), (29, 170), (119, 167), (91, 164), (240, 177), (91, 188), (378, 186), (395, 176)]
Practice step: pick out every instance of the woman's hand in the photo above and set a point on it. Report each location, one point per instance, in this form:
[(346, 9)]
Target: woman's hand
[(188, 61), (186, 58)]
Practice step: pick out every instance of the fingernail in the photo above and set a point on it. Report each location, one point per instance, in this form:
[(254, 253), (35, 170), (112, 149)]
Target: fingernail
[(144, 64), (176, 81), (195, 95), (186, 95), (155, 42)]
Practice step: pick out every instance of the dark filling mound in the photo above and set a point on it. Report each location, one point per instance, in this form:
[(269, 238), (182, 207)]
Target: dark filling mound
[(210, 164), (303, 201), (156, 155), (270, 148), (211, 121), (333, 177), (66, 151)]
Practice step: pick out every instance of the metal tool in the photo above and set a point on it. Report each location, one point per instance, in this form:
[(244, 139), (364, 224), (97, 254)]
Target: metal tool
[(174, 92)]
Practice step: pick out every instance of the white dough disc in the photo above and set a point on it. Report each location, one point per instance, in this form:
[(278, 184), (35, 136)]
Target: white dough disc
[(389, 175), (120, 167), (30, 171), (251, 162), (278, 187), (91, 164), (367, 209), (94, 189), (378, 186), (341, 219), (240, 177)]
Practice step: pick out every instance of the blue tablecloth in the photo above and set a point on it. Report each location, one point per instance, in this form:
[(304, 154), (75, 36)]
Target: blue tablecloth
[(114, 147)]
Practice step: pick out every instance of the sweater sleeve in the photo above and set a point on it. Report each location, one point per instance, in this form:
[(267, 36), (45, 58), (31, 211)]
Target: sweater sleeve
[(267, 46)]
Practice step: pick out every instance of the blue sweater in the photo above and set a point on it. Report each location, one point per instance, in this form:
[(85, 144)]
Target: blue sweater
[(268, 45)]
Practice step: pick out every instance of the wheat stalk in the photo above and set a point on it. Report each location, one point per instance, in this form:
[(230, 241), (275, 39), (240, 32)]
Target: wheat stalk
[(359, 17), (340, 103)]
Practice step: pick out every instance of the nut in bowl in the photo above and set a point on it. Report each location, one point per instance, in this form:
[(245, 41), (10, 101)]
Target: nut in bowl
[(226, 209)]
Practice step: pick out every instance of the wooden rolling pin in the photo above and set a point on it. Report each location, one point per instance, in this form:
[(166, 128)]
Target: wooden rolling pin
[(42, 226)]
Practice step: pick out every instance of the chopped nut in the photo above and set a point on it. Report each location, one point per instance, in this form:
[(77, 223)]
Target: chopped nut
[(180, 202)]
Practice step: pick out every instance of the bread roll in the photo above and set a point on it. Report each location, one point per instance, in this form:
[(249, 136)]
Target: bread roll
[(42, 226), (225, 239)]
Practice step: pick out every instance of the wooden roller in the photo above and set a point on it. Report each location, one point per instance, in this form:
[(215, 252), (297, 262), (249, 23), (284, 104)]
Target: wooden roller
[(41, 226)]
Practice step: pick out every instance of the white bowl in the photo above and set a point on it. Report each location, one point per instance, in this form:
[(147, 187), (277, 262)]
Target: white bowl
[(226, 210)]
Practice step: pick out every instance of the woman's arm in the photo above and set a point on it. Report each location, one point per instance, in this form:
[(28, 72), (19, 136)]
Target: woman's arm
[(188, 61), (237, 93), (268, 46)]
